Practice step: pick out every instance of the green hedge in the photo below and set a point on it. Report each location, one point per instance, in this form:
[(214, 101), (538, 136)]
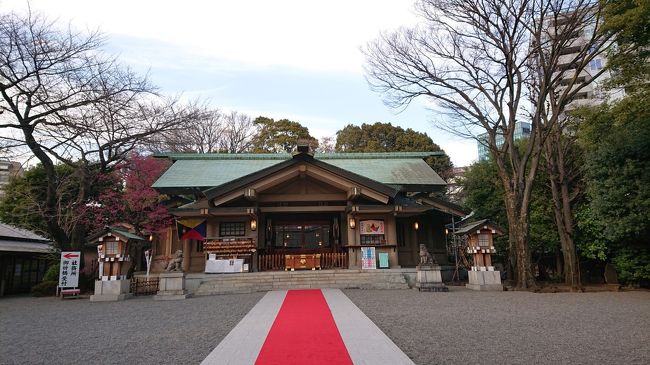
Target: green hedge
[(45, 288), (52, 273)]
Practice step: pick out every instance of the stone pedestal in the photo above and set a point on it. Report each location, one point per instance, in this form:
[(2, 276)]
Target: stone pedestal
[(171, 286), (110, 290), (484, 280), (429, 278)]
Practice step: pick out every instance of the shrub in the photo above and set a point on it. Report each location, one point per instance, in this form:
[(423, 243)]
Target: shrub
[(52, 273), (633, 265), (45, 288)]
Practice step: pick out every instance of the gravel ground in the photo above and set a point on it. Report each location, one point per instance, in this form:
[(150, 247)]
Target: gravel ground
[(136, 331), (461, 326), (464, 326)]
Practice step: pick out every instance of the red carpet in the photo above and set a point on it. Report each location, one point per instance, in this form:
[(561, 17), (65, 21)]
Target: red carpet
[(304, 332)]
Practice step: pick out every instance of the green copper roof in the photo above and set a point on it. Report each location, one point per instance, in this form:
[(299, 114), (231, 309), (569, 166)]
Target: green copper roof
[(287, 156), (211, 170), (412, 171), (126, 234)]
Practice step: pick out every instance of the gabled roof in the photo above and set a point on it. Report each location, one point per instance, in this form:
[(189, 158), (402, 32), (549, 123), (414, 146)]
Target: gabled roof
[(403, 171), (372, 184), (119, 232), (14, 239), (11, 232), (472, 226), (441, 205)]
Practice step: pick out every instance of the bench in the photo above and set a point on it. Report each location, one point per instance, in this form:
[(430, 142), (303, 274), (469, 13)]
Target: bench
[(70, 293)]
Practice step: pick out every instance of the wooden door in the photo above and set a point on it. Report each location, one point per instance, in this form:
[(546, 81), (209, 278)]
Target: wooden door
[(407, 250)]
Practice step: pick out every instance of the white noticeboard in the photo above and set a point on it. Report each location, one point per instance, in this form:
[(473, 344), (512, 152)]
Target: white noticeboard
[(69, 271), (368, 259)]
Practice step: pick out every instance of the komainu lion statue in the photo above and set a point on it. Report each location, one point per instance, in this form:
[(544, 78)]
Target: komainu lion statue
[(176, 263), (425, 256)]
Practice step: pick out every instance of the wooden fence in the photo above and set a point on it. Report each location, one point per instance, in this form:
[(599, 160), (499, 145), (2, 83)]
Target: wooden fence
[(142, 286), (270, 262), (329, 260), (334, 260)]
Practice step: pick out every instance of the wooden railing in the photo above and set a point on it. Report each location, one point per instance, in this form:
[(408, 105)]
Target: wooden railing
[(329, 260), (334, 260), (270, 262)]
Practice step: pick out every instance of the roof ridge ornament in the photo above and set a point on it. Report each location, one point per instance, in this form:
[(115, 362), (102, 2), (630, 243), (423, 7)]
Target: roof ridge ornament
[(303, 146)]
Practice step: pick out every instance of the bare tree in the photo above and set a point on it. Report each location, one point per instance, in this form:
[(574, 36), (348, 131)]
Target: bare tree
[(201, 133), (209, 131), (327, 144), (487, 65), (238, 133), (70, 103)]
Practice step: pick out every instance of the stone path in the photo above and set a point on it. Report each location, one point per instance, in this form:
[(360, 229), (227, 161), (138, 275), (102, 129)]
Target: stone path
[(365, 342)]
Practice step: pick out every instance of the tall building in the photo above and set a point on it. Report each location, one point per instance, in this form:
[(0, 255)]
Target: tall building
[(594, 92), (7, 170), (522, 130)]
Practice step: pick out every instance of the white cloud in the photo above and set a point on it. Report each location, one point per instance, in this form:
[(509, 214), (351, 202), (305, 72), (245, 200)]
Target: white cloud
[(203, 38), (296, 33)]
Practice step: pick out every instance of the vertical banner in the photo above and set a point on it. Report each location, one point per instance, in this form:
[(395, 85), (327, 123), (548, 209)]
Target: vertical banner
[(69, 271), (368, 260)]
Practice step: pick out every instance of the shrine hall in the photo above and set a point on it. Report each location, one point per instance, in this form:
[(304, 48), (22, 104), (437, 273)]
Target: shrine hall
[(302, 211)]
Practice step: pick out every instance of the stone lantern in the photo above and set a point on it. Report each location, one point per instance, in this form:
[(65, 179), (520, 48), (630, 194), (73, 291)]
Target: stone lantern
[(480, 240)]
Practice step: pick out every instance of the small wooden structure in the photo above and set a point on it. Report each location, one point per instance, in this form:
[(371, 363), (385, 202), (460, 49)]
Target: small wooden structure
[(113, 263), (305, 261), (480, 239)]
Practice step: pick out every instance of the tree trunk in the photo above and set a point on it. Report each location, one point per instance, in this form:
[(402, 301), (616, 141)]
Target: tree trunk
[(50, 211), (558, 263), (563, 213), (518, 236), (78, 232)]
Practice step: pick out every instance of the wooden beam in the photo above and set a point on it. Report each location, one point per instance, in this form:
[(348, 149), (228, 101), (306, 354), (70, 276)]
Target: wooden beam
[(301, 197), (315, 209), (250, 194), (354, 193)]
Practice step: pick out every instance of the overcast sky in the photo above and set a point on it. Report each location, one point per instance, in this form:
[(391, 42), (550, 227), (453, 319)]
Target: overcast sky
[(292, 59)]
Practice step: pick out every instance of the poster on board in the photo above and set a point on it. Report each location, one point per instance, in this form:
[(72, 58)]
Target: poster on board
[(371, 226), (368, 260)]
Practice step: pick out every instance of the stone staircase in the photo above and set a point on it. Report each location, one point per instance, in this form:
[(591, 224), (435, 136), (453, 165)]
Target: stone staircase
[(282, 280)]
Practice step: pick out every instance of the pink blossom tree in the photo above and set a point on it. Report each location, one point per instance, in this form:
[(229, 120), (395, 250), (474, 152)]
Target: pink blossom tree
[(129, 198)]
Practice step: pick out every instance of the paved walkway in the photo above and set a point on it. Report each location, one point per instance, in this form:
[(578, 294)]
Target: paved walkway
[(365, 342)]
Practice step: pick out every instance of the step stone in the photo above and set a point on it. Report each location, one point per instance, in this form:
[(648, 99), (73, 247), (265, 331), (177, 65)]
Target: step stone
[(253, 282)]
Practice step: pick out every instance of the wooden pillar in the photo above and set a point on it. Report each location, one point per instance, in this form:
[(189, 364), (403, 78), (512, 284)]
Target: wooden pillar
[(186, 255), (488, 260), (169, 237)]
